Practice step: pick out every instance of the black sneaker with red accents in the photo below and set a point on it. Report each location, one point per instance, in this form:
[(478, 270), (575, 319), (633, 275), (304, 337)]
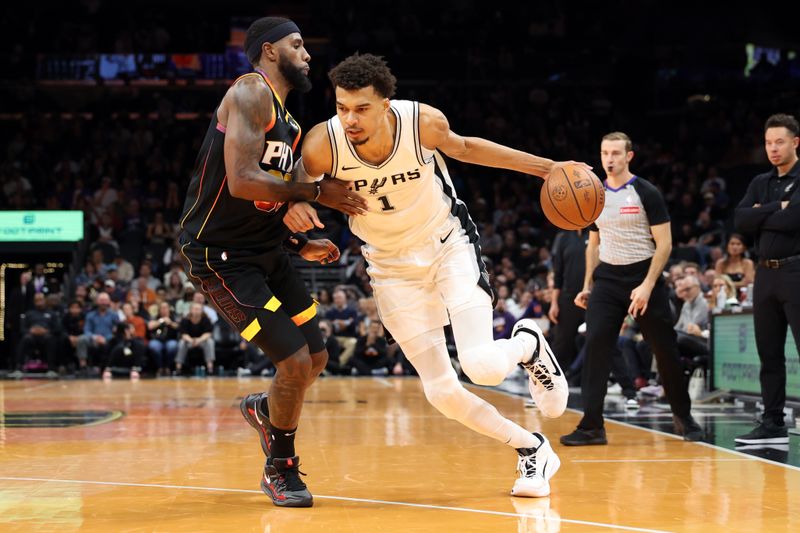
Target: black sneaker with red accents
[(255, 411), (281, 482)]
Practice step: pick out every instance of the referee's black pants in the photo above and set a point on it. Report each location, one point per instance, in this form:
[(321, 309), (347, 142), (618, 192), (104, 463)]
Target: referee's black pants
[(608, 306), (570, 317), (776, 304)]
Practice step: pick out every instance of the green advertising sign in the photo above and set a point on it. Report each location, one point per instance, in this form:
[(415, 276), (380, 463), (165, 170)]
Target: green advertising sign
[(736, 363), (41, 226)]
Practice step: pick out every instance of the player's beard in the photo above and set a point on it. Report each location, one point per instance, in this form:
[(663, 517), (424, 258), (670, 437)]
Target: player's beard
[(294, 75)]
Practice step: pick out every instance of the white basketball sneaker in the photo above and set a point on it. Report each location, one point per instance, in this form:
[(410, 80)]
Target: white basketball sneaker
[(546, 381), (535, 467)]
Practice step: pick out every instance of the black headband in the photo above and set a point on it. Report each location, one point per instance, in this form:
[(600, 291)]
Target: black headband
[(270, 36)]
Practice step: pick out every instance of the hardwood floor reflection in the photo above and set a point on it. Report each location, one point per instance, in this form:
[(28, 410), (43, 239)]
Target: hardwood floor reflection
[(378, 458)]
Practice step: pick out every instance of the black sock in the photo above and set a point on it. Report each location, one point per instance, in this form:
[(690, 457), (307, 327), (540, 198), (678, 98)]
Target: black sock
[(281, 441)]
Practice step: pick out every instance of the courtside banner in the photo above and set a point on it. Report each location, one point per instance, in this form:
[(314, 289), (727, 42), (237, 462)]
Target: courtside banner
[(41, 226), (736, 365)]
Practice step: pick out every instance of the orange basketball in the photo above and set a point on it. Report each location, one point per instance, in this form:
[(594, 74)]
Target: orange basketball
[(572, 197)]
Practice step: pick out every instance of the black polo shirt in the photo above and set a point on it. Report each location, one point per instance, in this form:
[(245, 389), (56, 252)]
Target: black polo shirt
[(569, 261), (776, 230)]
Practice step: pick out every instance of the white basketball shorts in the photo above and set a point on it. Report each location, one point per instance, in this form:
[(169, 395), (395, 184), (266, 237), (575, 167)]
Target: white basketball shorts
[(415, 286)]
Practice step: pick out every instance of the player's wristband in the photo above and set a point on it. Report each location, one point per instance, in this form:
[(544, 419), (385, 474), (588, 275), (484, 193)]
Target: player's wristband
[(319, 191), (295, 242)]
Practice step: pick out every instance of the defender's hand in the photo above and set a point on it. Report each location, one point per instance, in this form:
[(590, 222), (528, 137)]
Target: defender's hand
[(301, 217)]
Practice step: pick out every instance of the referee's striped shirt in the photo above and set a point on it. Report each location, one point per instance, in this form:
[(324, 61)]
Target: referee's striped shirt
[(625, 221)]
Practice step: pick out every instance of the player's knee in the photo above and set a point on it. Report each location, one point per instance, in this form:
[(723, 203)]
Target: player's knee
[(318, 362), (481, 368), (447, 395), (297, 367)]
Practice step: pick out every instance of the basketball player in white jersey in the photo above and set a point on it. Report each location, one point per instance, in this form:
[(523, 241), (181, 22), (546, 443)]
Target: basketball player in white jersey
[(423, 255)]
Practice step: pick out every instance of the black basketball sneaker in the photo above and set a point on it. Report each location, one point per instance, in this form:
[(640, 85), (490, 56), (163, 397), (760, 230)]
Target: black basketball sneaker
[(281, 482), (255, 410)]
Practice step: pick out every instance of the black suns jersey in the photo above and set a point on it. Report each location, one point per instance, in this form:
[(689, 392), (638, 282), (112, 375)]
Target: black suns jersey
[(211, 216)]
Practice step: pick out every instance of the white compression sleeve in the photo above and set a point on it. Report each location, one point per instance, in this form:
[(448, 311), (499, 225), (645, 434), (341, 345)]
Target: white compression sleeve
[(448, 395), (484, 360)]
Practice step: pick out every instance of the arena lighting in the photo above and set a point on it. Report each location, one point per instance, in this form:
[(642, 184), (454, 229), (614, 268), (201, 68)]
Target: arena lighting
[(772, 55), (699, 98)]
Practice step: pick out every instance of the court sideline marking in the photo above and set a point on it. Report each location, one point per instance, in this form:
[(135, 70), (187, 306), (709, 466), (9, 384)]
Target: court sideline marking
[(663, 433), (698, 460), (341, 498)]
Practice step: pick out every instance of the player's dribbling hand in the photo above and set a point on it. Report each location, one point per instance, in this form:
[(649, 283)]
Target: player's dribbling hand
[(301, 217), (336, 193), (321, 250), (582, 299), (559, 164)]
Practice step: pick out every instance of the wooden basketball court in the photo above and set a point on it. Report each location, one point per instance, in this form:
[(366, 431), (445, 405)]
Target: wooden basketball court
[(175, 455)]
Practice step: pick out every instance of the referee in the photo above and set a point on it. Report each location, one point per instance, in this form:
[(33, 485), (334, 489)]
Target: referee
[(770, 210), (629, 246)]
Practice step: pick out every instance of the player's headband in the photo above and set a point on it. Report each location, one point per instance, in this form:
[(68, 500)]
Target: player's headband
[(270, 36)]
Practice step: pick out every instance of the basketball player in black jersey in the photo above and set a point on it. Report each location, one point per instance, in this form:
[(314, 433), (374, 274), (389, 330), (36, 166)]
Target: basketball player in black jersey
[(233, 239)]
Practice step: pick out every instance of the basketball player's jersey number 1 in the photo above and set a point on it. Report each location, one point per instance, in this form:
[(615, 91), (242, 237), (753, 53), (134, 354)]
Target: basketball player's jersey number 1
[(385, 205)]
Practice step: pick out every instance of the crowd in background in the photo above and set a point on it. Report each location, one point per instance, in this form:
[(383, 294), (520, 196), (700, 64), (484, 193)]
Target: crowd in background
[(126, 165)]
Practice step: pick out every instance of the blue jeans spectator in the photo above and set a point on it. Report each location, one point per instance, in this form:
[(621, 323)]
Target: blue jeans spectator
[(163, 352)]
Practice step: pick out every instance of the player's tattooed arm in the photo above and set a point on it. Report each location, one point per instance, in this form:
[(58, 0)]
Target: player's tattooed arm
[(250, 111)]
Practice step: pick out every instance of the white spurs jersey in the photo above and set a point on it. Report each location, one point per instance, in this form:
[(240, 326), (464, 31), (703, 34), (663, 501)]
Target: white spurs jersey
[(410, 195)]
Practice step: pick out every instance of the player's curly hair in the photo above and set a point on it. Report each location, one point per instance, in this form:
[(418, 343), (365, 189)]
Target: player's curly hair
[(362, 70)]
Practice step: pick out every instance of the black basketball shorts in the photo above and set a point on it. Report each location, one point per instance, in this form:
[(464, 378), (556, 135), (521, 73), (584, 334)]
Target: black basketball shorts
[(259, 294)]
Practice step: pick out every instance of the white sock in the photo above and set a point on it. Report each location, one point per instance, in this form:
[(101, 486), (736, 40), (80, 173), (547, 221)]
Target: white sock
[(516, 349), (484, 418)]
